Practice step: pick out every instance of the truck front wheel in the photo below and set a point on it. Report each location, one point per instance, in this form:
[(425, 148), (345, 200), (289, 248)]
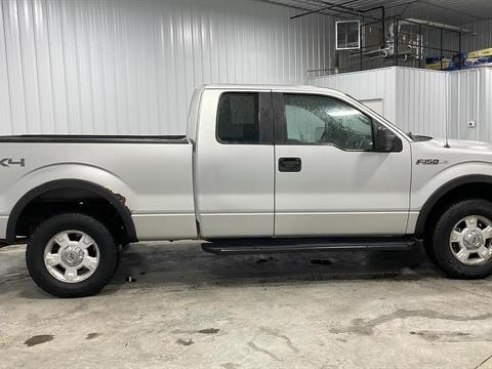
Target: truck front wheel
[(71, 255), (462, 240)]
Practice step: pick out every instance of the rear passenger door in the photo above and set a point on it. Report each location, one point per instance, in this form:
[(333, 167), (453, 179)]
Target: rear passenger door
[(234, 164)]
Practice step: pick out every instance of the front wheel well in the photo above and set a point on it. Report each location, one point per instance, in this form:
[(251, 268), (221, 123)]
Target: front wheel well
[(431, 212)]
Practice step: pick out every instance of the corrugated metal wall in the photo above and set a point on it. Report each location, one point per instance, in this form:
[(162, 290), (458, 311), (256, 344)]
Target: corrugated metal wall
[(421, 101), (424, 101), (470, 100), (483, 37), (366, 85), (413, 99), (130, 66)]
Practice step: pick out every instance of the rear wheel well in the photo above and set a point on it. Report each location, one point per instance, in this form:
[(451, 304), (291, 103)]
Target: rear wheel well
[(476, 190), (55, 202), (68, 196)]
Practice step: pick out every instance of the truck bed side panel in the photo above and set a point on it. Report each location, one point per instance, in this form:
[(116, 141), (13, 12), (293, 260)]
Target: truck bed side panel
[(155, 177)]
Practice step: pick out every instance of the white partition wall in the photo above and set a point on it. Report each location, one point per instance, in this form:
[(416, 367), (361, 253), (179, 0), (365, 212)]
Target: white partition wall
[(471, 101), (413, 99), (130, 66), (424, 101), (376, 84), (421, 101)]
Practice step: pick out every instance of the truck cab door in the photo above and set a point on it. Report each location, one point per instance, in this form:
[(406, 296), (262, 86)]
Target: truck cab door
[(234, 164), (330, 179)]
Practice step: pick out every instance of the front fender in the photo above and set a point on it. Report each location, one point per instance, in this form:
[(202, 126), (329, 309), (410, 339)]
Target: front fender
[(424, 198), (426, 183)]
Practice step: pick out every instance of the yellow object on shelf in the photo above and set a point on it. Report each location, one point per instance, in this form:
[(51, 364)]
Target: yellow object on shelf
[(439, 65), (479, 53), (474, 54), (486, 52)]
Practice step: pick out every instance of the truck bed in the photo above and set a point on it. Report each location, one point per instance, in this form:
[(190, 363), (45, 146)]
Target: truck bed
[(152, 173)]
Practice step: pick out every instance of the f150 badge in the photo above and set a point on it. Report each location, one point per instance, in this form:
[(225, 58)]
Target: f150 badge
[(430, 162), (9, 162)]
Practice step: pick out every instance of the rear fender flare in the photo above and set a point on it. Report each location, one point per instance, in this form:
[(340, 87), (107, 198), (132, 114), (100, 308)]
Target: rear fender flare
[(116, 200)]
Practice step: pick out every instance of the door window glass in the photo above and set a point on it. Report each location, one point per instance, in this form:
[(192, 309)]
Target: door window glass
[(237, 118), (318, 120)]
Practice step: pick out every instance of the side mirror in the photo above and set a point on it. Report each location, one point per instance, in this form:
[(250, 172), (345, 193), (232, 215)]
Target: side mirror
[(386, 141)]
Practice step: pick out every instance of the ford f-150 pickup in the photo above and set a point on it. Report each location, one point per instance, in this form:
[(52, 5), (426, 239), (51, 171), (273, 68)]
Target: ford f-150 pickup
[(262, 169)]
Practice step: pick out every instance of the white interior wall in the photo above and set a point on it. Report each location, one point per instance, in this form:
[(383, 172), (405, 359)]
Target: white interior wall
[(421, 101), (130, 66), (413, 99), (366, 85), (424, 101), (470, 100)]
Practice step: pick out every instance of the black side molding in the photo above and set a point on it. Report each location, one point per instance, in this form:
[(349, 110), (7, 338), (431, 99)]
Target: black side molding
[(181, 139)]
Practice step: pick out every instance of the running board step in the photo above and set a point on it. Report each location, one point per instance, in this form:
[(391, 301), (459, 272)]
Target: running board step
[(275, 246)]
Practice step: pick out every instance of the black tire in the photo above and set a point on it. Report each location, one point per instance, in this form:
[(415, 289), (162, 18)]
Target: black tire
[(429, 250), (108, 255), (124, 246), (440, 248)]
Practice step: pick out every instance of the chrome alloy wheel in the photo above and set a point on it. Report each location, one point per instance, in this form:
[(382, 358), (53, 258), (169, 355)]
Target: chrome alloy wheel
[(71, 256), (470, 240)]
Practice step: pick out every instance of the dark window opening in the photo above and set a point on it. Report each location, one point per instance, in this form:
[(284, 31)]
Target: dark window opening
[(237, 118)]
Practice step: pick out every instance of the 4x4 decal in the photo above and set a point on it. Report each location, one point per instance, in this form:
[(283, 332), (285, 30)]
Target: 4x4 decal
[(8, 162)]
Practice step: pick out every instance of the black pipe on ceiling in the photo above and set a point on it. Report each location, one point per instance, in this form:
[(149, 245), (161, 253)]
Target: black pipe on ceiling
[(325, 8), (341, 8)]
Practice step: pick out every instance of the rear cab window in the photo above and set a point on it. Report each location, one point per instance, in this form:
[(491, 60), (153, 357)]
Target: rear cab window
[(244, 118)]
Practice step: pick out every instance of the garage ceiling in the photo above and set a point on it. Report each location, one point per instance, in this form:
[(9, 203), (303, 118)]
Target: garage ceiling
[(454, 12)]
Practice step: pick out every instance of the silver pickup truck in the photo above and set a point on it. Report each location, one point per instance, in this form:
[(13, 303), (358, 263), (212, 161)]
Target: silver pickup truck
[(262, 169)]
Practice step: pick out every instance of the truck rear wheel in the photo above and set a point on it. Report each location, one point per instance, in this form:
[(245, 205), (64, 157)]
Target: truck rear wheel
[(462, 240), (71, 255)]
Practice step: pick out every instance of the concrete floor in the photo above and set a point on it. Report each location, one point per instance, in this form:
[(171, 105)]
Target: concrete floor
[(189, 309)]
